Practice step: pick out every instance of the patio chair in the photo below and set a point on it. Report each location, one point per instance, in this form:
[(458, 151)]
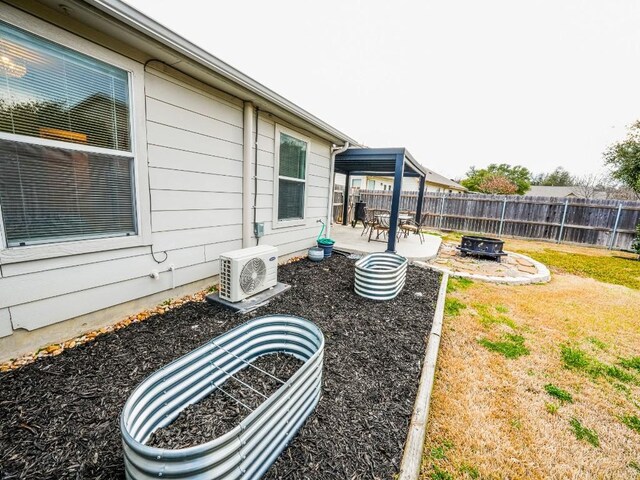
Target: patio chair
[(411, 226), (382, 225), (370, 218)]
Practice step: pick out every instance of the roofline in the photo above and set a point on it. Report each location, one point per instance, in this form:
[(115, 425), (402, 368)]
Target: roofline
[(142, 23), (453, 184)]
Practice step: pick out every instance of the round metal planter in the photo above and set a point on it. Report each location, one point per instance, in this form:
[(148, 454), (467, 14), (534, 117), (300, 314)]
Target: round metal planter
[(248, 450), (380, 276)]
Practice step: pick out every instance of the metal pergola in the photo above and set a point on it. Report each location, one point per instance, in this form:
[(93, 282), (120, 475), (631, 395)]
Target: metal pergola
[(395, 162)]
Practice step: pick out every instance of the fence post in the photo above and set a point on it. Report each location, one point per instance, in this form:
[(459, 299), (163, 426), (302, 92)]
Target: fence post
[(615, 227), (564, 216), (441, 212), (504, 207)]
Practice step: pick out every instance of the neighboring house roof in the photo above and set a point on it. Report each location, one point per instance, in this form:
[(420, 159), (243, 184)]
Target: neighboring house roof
[(546, 191), (433, 177)]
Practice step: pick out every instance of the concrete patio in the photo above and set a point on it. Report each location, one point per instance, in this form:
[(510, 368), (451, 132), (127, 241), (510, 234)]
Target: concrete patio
[(351, 240)]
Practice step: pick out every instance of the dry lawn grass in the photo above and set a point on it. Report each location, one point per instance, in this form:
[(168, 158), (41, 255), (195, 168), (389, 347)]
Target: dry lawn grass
[(491, 416)]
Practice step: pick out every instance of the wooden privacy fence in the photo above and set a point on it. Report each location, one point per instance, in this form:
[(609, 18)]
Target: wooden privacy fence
[(606, 223)]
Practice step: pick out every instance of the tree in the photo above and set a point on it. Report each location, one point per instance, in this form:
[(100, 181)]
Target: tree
[(624, 159), (497, 184), (558, 178), (519, 176), (587, 185), (635, 246)]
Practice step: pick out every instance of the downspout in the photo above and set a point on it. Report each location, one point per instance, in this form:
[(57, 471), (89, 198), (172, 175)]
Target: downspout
[(255, 179), (335, 150), (247, 150)]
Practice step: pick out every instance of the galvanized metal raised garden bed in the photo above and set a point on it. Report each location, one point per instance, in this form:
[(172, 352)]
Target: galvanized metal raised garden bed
[(380, 276), (247, 451)]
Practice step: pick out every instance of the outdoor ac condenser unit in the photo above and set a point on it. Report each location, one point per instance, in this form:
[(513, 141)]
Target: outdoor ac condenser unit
[(245, 272)]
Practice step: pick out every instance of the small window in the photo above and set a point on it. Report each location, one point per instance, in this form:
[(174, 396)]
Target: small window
[(292, 176), (371, 184), (66, 160), (356, 183)]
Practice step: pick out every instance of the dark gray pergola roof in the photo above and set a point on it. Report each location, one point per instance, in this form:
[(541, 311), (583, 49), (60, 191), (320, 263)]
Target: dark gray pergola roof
[(396, 162), (377, 161)]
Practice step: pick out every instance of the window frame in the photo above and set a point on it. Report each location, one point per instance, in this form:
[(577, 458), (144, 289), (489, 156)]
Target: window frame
[(140, 178), (277, 223)]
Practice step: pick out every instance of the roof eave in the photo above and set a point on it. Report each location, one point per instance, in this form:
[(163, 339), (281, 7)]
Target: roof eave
[(149, 27)]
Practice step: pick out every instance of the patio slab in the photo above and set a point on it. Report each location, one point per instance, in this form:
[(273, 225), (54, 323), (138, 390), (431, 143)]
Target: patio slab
[(350, 239)]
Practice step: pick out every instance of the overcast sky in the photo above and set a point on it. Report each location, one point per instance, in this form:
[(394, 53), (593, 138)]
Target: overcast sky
[(459, 83)]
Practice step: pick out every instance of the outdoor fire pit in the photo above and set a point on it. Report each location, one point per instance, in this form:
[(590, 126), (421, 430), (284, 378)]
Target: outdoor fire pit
[(486, 247)]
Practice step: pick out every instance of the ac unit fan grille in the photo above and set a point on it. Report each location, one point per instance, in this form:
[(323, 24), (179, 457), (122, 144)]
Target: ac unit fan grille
[(225, 277), (252, 275)]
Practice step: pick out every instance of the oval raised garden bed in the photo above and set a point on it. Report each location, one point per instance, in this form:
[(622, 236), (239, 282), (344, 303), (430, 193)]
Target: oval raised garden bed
[(249, 449), (380, 276)]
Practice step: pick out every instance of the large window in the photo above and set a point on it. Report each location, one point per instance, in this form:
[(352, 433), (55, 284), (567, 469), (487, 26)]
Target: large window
[(66, 157), (291, 176)]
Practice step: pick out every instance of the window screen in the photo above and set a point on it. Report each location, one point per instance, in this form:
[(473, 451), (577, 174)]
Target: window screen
[(51, 92), (52, 192), (292, 177)]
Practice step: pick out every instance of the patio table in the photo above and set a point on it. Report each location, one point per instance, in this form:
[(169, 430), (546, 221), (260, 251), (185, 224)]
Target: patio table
[(403, 217)]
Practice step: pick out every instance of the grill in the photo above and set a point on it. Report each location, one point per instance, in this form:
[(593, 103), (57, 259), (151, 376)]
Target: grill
[(360, 214), (248, 450), (486, 247)]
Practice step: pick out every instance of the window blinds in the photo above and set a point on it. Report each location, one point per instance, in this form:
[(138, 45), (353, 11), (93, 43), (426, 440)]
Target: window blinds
[(52, 194), (51, 94)]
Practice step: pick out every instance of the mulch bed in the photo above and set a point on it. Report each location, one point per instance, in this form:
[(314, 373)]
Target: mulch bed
[(59, 417)]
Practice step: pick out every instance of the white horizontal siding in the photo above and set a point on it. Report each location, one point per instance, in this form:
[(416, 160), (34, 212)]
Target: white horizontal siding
[(167, 89), (195, 187), (44, 312), (167, 179), (28, 288), (165, 157), (166, 136), (182, 119), (49, 264), (189, 219), (197, 236), (5, 323), (212, 252), (185, 200), (195, 174)]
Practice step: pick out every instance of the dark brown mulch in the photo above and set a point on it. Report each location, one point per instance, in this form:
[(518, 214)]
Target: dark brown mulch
[(218, 412), (59, 417)]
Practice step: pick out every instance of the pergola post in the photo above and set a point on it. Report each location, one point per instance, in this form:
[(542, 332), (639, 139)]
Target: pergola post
[(395, 202), (345, 206), (420, 200)]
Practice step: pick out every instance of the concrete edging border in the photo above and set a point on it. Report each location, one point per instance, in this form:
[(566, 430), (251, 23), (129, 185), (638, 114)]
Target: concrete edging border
[(414, 445), (543, 275)]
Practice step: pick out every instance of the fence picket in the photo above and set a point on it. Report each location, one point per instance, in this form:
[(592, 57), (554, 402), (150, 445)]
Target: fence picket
[(607, 223)]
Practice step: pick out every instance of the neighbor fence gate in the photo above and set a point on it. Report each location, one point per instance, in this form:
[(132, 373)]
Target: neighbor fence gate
[(605, 223)]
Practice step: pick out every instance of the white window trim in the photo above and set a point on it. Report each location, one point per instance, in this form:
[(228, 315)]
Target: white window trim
[(138, 148), (276, 177)]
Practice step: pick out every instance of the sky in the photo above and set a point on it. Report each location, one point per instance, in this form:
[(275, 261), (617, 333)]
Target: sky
[(460, 83)]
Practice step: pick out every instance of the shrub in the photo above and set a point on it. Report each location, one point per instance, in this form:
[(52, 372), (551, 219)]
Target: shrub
[(636, 242)]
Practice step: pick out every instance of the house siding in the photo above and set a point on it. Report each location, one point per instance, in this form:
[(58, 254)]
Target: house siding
[(291, 239), (194, 155)]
